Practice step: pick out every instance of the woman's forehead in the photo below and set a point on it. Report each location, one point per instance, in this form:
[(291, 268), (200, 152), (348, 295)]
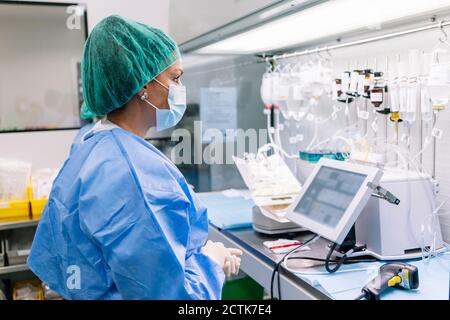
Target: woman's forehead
[(176, 67)]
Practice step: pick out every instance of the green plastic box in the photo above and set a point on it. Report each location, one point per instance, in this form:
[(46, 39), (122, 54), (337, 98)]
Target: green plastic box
[(244, 288)]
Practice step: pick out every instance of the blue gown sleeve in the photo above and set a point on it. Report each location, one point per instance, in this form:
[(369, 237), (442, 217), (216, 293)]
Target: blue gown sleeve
[(144, 235)]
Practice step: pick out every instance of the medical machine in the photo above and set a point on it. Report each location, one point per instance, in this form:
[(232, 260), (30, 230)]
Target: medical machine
[(332, 198), (392, 231), (268, 222), (273, 188), (395, 223)]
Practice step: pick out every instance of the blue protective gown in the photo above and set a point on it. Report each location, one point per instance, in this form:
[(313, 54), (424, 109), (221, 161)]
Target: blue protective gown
[(122, 223), (77, 140)]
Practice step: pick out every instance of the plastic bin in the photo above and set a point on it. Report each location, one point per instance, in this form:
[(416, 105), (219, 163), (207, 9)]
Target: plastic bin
[(18, 245), (28, 290), (2, 253), (15, 210), (37, 207), (3, 290)]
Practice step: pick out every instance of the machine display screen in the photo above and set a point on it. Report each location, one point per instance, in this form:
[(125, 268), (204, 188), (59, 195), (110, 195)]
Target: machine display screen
[(329, 195)]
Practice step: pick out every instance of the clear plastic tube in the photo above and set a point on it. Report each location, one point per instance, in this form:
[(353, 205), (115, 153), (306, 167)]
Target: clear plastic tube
[(421, 242), (270, 129), (314, 138), (434, 215), (272, 143), (277, 130), (275, 147), (427, 139), (336, 136)]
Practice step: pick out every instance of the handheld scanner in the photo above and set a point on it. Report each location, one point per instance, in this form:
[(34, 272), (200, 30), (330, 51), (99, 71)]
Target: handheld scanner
[(398, 275)]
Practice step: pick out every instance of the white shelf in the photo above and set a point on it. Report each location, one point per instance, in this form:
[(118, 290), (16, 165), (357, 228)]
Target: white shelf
[(13, 269)]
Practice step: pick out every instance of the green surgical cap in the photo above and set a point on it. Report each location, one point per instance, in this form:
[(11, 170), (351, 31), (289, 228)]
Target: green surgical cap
[(120, 57), (85, 112)]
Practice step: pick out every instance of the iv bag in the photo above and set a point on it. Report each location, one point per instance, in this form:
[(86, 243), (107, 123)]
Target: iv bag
[(266, 89), (281, 86), (425, 105), (438, 86)]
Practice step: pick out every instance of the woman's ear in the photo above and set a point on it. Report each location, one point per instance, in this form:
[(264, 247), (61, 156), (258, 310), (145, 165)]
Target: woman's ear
[(143, 93)]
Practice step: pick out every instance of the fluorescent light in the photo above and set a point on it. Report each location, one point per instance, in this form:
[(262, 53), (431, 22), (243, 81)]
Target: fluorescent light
[(193, 60), (331, 18), (281, 8)]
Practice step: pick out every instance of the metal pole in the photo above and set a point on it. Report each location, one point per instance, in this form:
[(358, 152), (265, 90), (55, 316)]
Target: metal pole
[(433, 173), (359, 42)]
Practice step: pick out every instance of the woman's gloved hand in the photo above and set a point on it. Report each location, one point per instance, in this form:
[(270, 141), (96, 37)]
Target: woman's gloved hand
[(228, 258), (232, 262)]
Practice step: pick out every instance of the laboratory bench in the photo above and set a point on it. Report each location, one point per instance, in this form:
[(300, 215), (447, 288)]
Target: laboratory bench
[(258, 262), (230, 222), (230, 217)]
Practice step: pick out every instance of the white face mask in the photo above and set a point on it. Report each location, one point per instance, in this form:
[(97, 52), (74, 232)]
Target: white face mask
[(168, 118)]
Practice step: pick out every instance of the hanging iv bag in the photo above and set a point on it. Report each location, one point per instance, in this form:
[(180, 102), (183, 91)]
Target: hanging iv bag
[(438, 86)]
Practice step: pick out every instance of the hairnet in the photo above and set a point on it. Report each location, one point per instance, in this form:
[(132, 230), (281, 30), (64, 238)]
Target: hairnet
[(120, 57), (85, 112)]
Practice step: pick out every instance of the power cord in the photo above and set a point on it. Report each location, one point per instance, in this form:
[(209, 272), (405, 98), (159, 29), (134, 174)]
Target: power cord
[(345, 259), (342, 259), (276, 270), (346, 262), (361, 296)]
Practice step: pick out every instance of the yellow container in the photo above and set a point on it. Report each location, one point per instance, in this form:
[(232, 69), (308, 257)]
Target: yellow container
[(14, 210), (37, 207), (37, 293)]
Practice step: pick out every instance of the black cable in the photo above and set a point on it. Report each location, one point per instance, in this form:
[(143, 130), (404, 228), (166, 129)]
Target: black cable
[(279, 280), (277, 268), (347, 261), (342, 259), (275, 271), (361, 296), (338, 264)]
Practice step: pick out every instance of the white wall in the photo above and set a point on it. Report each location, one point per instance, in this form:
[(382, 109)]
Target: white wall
[(49, 149), (189, 19), (152, 12), (45, 149)]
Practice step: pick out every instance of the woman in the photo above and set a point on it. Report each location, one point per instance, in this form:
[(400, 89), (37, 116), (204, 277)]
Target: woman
[(121, 221)]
